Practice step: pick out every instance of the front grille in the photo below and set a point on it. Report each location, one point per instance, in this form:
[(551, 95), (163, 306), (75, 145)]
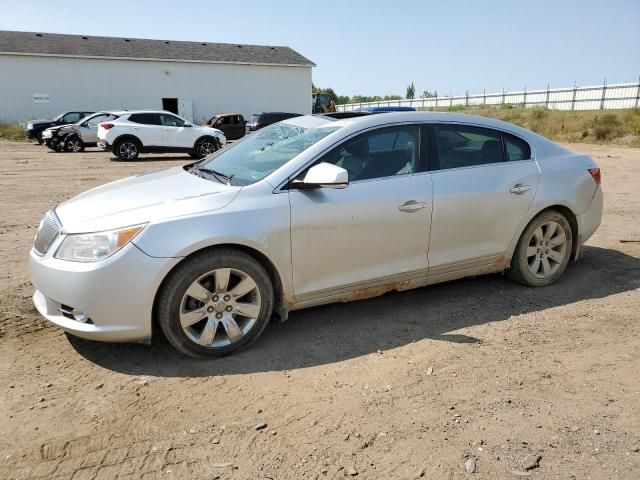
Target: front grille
[(48, 232)]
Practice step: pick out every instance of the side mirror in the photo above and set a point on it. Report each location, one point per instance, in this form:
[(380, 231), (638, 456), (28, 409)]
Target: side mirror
[(324, 175)]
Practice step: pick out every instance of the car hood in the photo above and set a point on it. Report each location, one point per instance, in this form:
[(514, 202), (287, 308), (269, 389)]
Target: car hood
[(147, 197), (44, 122)]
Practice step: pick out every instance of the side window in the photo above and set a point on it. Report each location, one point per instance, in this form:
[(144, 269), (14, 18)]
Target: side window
[(145, 118), (71, 117), (515, 148), (170, 121), (96, 120), (381, 153), (466, 146)]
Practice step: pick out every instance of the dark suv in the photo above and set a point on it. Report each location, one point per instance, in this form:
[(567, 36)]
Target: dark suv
[(260, 120), (231, 124), (36, 127)]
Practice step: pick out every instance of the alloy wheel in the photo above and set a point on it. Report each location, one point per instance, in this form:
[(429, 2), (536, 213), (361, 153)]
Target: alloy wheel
[(220, 307), (74, 145), (207, 148), (547, 249), (128, 150)]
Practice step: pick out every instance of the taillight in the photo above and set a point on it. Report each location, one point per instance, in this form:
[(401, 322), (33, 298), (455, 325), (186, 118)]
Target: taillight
[(595, 174), (107, 126)]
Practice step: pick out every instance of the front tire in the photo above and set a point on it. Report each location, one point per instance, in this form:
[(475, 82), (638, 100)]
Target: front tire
[(215, 303), (39, 138), (127, 149), (543, 251), (205, 147), (74, 144)]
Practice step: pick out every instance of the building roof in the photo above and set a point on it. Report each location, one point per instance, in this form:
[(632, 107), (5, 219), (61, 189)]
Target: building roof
[(54, 44)]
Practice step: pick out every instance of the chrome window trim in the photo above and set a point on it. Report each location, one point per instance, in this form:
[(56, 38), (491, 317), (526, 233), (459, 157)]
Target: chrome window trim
[(280, 188)]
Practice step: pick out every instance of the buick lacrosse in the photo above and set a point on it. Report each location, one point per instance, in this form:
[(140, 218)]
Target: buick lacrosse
[(309, 211)]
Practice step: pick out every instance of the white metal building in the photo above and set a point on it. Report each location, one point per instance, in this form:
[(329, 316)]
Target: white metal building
[(42, 74)]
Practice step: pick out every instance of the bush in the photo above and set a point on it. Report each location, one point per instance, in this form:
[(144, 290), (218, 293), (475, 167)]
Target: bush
[(606, 126), (538, 113), (11, 131), (455, 108)]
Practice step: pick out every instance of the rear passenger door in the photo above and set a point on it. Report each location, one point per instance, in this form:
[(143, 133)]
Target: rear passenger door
[(484, 182), (146, 126)]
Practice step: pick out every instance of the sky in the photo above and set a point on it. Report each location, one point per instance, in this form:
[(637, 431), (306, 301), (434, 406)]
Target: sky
[(376, 47)]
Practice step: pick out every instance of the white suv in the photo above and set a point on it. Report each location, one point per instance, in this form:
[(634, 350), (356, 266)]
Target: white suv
[(135, 132)]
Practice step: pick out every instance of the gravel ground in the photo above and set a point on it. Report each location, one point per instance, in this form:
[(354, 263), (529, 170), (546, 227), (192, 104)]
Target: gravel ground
[(518, 382)]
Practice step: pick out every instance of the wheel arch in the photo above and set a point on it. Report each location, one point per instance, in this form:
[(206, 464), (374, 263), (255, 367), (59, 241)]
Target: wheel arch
[(281, 306), (571, 218), (205, 137), (127, 136)]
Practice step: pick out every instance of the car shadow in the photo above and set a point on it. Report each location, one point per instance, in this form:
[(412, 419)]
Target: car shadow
[(337, 332)]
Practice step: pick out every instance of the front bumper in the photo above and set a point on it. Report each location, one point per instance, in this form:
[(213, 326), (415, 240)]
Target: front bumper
[(30, 133), (109, 300)]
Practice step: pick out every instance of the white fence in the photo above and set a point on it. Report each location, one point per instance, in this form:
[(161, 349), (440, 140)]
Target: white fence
[(614, 96)]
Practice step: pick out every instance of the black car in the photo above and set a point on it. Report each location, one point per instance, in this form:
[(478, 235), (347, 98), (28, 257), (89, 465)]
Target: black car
[(260, 120), (36, 127), (231, 124)]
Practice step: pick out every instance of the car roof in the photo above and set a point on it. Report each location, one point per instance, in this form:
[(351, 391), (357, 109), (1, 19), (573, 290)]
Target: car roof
[(355, 124), (226, 114)]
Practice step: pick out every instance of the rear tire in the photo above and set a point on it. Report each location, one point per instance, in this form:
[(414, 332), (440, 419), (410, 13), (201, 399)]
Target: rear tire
[(543, 251), (215, 303), (127, 149)]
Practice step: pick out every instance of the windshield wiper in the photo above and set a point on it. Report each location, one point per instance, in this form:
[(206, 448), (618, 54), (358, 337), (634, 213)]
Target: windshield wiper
[(218, 175)]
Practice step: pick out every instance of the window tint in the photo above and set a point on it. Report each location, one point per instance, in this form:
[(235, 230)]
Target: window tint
[(71, 117), (170, 120), (145, 118), (515, 148), (466, 146), (381, 153)]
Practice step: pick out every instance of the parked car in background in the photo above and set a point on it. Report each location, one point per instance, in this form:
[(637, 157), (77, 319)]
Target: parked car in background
[(36, 127), (233, 125), (142, 131), (386, 109), (261, 120), (311, 211), (76, 136)]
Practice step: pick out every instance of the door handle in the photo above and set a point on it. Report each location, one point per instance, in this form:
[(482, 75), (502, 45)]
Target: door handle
[(520, 188), (411, 206)]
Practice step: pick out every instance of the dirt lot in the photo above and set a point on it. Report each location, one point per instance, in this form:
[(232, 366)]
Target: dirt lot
[(539, 383)]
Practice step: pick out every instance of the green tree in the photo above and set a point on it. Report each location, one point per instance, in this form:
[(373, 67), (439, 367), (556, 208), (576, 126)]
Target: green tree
[(411, 91), (428, 94)]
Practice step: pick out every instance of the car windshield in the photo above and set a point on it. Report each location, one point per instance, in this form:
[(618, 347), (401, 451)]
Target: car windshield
[(263, 152), (59, 116)]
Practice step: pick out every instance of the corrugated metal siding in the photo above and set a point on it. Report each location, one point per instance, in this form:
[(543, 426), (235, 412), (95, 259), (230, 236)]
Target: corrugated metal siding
[(88, 84)]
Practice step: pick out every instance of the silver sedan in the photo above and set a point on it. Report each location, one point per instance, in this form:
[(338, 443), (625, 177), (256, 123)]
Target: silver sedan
[(310, 211)]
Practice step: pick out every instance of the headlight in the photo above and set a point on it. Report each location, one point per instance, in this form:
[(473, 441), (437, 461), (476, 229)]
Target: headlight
[(29, 126), (91, 247)]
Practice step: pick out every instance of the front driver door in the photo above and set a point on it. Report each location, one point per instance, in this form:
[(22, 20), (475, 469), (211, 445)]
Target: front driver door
[(173, 132), (376, 230)]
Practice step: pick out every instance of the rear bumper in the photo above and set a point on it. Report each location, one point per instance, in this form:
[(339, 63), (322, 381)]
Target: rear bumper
[(589, 220), (104, 145)]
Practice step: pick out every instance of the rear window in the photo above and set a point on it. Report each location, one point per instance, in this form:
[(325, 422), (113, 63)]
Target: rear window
[(516, 148)]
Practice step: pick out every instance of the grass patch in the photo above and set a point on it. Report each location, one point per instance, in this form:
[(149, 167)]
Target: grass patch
[(12, 131), (591, 126)]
